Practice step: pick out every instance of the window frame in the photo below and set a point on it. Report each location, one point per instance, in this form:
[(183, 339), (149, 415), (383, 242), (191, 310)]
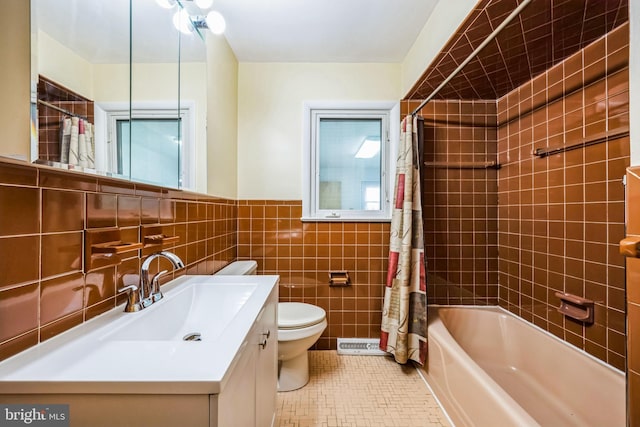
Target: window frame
[(110, 113), (389, 112)]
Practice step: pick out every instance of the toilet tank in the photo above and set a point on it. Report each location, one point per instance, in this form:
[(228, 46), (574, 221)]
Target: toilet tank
[(239, 268)]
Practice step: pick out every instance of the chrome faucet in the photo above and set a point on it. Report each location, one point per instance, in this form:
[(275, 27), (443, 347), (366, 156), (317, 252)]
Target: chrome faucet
[(146, 293), (150, 292)]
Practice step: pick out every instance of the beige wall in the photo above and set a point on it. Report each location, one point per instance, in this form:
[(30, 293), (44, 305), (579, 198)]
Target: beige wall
[(443, 22), (14, 79), (62, 65), (222, 118), (270, 106), (271, 96), (112, 83)]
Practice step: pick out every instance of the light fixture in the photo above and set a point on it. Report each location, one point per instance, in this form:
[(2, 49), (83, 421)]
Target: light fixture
[(182, 22), (191, 16), (215, 22), (369, 148)]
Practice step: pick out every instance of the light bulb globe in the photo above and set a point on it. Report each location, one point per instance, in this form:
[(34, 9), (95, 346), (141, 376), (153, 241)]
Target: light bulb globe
[(182, 22), (215, 22)]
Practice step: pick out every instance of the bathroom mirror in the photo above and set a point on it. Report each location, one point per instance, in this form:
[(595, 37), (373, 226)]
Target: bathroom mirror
[(117, 90)]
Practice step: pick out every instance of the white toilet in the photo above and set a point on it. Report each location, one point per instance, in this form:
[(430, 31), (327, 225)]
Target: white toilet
[(299, 327)]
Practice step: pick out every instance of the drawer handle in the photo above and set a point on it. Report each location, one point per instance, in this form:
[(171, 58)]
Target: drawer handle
[(266, 336)]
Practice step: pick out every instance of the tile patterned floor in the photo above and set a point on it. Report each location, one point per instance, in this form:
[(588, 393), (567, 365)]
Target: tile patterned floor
[(359, 391)]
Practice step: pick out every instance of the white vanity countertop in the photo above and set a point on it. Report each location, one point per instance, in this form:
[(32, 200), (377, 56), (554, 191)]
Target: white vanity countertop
[(144, 352)]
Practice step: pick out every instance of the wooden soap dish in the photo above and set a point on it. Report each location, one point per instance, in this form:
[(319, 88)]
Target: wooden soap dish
[(160, 239), (155, 238), (117, 247), (102, 248)]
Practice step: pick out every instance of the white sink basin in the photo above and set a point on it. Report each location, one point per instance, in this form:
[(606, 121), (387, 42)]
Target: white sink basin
[(145, 352), (202, 308)]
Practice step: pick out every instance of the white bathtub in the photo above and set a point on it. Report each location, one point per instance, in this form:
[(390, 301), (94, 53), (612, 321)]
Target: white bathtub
[(490, 368)]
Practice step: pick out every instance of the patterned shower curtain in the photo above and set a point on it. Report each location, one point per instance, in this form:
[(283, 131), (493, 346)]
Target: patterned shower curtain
[(404, 313)]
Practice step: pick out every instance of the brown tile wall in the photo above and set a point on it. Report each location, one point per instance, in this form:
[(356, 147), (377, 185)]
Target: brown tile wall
[(537, 225), (303, 254), (459, 205), (44, 214), (562, 216), (633, 297)]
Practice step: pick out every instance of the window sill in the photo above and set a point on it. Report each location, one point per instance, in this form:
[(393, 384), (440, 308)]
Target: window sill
[(344, 219)]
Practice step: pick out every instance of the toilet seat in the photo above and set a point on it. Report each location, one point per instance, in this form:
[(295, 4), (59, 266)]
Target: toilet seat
[(296, 315)]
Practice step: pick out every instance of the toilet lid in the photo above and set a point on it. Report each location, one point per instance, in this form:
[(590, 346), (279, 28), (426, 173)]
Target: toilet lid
[(293, 315)]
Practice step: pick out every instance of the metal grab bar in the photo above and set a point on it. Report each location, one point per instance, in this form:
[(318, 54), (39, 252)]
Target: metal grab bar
[(597, 139)]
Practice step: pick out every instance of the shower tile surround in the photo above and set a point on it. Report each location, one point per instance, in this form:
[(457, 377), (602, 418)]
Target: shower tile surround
[(559, 218), (459, 206), (43, 214)]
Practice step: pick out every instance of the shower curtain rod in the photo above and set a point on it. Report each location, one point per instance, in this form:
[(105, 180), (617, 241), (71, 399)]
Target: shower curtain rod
[(473, 54), (62, 110)]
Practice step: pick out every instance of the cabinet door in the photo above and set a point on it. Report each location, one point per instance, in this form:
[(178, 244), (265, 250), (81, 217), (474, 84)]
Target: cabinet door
[(236, 403), (267, 362)]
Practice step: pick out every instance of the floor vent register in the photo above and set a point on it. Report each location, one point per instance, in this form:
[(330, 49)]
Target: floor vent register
[(360, 346)]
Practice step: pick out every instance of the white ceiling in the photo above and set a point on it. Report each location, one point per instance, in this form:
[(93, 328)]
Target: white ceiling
[(257, 30), (323, 30)]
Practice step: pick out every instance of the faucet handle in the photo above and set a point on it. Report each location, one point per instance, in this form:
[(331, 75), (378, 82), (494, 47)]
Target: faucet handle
[(156, 295), (133, 301)]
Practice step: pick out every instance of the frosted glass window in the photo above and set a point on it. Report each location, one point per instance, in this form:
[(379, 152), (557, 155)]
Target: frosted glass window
[(349, 155), (155, 155), (371, 196), (348, 158)]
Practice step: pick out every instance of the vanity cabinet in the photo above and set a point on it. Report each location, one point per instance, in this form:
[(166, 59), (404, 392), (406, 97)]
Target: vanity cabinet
[(111, 371), (267, 363), (248, 398)]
